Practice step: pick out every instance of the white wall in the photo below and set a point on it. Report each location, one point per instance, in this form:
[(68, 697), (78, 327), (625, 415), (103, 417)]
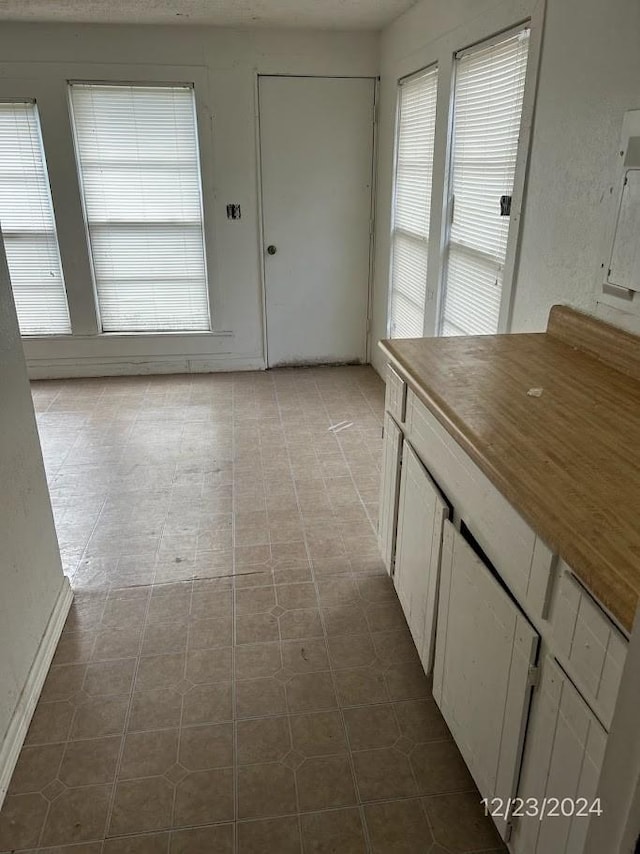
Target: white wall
[(33, 590), (38, 59), (589, 74)]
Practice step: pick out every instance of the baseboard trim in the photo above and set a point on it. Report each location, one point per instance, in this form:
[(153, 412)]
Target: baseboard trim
[(17, 731), (48, 369)]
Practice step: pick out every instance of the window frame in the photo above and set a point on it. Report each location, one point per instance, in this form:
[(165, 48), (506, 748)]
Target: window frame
[(510, 270), (424, 70), (32, 101), (206, 236)]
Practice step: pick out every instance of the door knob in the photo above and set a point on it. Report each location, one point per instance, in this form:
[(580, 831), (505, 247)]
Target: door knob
[(271, 250)]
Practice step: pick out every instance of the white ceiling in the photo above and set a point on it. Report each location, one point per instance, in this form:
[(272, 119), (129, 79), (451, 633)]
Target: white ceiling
[(325, 14)]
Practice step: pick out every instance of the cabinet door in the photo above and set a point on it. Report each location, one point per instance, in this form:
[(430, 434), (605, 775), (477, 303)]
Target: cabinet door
[(421, 514), (388, 511), (563, 756), (485, 648)]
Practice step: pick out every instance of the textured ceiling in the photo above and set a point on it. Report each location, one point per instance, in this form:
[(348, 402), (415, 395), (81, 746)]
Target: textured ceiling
[(326, 14)]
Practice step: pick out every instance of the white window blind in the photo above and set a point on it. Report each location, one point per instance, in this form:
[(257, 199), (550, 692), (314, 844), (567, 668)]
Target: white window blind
[(28, 225), (489, 89), (412, 203), (138, 159)]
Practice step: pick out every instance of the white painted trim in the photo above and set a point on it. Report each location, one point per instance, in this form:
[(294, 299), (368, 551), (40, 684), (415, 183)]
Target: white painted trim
[(260, 218), (17, 730), (46, 369)]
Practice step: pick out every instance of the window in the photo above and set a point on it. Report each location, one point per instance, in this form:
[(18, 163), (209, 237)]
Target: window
[(28, 225), (489, 89), (412, 203), (138, 160)]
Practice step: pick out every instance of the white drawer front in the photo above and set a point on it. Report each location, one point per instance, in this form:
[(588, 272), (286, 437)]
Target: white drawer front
[(522, 559), (588, 643), (395, 395)]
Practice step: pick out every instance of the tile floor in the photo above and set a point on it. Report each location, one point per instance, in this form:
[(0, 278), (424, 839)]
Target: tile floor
[(235, 674)]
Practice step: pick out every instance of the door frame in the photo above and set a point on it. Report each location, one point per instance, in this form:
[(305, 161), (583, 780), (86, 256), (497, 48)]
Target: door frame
[(372, 203)]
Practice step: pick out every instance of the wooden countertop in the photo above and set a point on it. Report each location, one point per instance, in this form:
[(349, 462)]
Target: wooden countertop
[(569, 460)]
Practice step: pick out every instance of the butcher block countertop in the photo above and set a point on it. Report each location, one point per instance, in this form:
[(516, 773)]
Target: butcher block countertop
[(568, 460)]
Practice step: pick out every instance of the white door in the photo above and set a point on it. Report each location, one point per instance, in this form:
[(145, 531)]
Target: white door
[(421, 514), (484, 649), (316, 147), (388, 512), (563, 757)]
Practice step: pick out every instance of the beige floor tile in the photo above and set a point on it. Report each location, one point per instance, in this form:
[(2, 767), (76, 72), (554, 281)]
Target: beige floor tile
[(398, 827), (406, 681), (157, 709), (148, 754), (344, 620), (349, 651), (21, 821), (208, 634), (205, 747), (109, 677), (281, 835), (369, 727), (256, 628), (255, 600), (157, 672), (263, 740), (318, 734), (75, 647), (77, 815), (203, 840), (459, 823), (100, 717), (383, 773), (208, 704), (90, 761), (51, 723), (253, 661), (295, 596), (265, 791), (308, 692), (305, 656), (394, 646), (420, 720), (63, 682), (148, 843), (324, 782), (360, 686), (440, 769), (303, 623), (336, 830), (36, 768), (205, 665), (260, 697), (204, 797), (161, 638), (141, 805)]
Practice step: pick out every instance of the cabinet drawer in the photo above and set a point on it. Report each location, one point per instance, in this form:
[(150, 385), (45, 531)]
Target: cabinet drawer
[(395, 401), (588, 644), (524, 562)]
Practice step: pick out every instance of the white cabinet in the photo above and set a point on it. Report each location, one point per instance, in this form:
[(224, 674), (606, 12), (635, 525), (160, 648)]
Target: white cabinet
[(421, 514), (563, 756), (485, 649), (388, 509)]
